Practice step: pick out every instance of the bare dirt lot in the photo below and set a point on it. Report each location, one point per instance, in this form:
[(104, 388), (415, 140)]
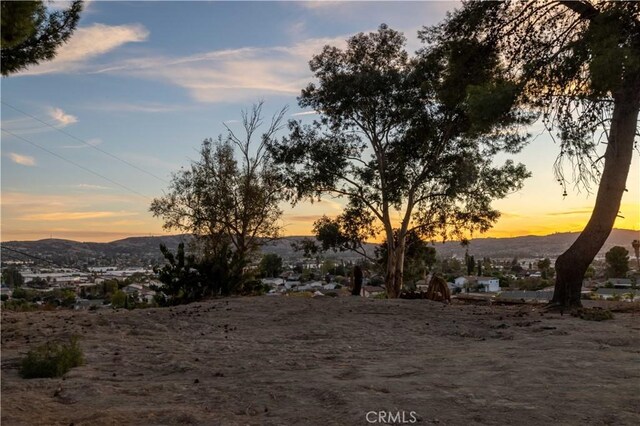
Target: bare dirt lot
[(327, 361)]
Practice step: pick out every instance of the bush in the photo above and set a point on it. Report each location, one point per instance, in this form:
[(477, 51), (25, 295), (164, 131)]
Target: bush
[(19, 305), (4, 297), (51, 360)]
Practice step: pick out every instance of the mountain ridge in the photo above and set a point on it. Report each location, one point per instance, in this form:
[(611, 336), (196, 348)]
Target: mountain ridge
[(145, 250)]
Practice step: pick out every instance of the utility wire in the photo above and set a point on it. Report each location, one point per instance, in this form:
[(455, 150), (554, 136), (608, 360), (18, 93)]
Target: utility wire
[(64, 132), (77, 165), (37, 258)]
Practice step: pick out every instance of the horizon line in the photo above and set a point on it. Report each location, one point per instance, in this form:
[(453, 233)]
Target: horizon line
[(305, 236)]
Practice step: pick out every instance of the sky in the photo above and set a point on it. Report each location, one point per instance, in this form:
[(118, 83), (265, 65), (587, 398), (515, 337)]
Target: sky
[(91, 137)]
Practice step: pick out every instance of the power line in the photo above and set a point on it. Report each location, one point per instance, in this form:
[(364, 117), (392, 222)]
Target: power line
[(77, 165), (84, 142), (38, 258)]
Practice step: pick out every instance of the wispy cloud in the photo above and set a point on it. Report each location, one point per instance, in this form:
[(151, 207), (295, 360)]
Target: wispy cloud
[(89, 186), (572, 212), (88, 43), (228, 75), (90, 142), (63, 216), (23, 160), (147, 107), (61, 118), (299, 114)]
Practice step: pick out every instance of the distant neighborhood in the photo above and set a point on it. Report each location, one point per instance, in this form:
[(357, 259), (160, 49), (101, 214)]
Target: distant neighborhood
[(35, 282)]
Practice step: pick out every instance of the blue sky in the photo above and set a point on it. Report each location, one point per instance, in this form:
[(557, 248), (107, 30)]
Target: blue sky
[(148, 81)]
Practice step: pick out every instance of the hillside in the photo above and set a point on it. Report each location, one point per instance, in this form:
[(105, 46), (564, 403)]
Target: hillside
[(144, 250)]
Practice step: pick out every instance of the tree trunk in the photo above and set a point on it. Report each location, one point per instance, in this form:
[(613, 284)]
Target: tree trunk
[(573, 263), (395, 269)]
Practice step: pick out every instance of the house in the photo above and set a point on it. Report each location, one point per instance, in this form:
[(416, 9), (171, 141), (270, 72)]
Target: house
[(487, 284), (4, 290)]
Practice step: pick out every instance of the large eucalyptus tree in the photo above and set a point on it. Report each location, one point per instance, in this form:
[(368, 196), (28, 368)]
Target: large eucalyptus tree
[(397, 139)]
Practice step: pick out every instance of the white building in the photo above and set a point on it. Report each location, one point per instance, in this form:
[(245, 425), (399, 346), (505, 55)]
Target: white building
[(490, 284)]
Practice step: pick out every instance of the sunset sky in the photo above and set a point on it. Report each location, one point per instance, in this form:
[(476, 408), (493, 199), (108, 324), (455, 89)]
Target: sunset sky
[(140, 84)]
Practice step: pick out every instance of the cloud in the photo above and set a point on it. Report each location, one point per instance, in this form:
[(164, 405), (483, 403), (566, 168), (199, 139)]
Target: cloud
[(89, 186), (90, 142), (149, 107), (572, 212), (298, 114), (62, 216), (229, 75), (88, 43), (23, 160), (62, 118)]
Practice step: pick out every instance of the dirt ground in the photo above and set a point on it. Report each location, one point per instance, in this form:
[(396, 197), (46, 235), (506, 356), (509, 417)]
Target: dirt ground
[(327, 361)]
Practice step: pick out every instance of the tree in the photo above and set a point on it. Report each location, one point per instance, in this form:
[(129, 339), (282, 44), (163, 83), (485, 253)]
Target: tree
[(225, 203), (543, 267), (397, 139), (636, 248), (31, 33), (420, 257), (617, 259), (271, 265), (578, 62), (470, 262), (12, 277)]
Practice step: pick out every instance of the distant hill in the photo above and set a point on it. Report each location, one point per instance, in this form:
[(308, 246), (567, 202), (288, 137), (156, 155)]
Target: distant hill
[(145, 250)]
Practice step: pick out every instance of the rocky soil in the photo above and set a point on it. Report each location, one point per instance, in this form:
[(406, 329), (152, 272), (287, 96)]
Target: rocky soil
[(327, 361)]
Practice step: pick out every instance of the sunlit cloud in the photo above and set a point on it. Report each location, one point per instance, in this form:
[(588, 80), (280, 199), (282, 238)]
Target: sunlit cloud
[(61, 118), (23, 160), (89, 186), (88, 43), (571, 212), (63, 216), (230, 75), (303, 113)]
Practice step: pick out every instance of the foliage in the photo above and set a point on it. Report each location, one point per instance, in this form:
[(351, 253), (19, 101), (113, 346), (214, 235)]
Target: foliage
[(19, 305), (394, 141), (617, 259), (31, 33), (185, 279), (593, 314), (531, 284), (578, 63), (271, 265), (229, 205), (51, 360), (12, 277), (420, 257), (119, 299)]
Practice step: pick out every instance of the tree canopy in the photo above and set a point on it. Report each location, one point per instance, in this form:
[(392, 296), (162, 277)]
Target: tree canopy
[(31, 33), (399, 138), (578, 63), (228, 203), (617, 259)]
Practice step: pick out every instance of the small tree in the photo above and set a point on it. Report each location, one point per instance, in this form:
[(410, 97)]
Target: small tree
[(397, 138), (228, 204), (271, 265), (636, 248), (617, 259), (12, 277), (31, 33)]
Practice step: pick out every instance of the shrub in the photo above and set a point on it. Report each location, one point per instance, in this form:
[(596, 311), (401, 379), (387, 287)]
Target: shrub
[(4, 297), (51, 360)]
